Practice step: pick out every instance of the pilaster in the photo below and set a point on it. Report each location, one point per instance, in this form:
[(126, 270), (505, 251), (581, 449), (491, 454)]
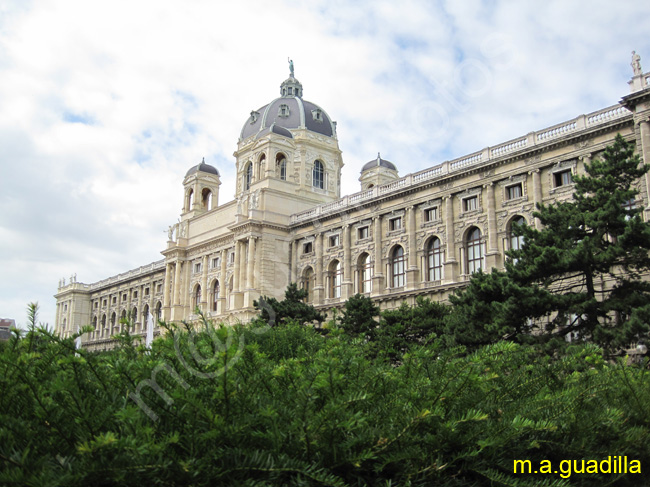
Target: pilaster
[(378, 274), (451, 264), (492, 256)]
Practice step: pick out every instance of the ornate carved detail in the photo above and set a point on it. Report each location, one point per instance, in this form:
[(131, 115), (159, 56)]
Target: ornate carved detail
[(445, 186), (532, 160), (582, 144)]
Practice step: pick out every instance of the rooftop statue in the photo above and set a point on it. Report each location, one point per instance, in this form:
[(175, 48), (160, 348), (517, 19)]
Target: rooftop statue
[(636, 64)]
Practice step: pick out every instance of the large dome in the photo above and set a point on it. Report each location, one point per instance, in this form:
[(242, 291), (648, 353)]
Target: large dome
[(290, 112)]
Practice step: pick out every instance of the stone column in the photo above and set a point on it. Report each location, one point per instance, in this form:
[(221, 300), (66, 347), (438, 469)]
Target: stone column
[(197, 197), (294, 261), (537, 193), (347, 284), (243, 259), (378, 274), (250, 278), (235, 278), (186, 292), (412, 273), (318, 288), (129, 308), (204, 286), (450, 265), (140, 310), (492, 257), (223, 283), (644, 152), (177, 283)]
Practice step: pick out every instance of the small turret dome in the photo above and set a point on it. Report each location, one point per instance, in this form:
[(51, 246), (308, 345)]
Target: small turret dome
[(379, 162), (202, 167)]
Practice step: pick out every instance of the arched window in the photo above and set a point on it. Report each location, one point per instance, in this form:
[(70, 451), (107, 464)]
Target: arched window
[(145, 317), (123, 316), (197, 296), (259, 169), (398, 272), (281, 166), (515, 241), (104, 321), (318, 175), (364, 266), (248, 176), (307, 282), (95, 322), (474, 250), (190, 199), (207, 199), (434, 260), (134, 315), (336, 276), (158, 311), (215, 295)]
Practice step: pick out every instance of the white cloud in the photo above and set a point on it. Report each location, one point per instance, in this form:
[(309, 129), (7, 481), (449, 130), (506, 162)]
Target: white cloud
[(105, 105)]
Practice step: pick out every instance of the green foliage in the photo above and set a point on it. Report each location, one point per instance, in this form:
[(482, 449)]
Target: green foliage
[(259, 405), (407, 326), (292, 307), (557, 276), (358, 317)]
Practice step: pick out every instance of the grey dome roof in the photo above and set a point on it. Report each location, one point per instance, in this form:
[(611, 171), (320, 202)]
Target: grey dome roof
[(276, 129), (203, 167), (289, 112), (379, 162)]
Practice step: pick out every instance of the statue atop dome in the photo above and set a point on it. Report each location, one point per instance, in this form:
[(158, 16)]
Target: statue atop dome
[(290, 67)]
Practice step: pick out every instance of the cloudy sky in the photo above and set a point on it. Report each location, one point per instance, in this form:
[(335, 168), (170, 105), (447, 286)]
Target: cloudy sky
[(105, 105)]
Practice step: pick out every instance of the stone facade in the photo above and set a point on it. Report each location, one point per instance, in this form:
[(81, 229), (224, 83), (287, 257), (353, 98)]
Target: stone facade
[(419, 235)]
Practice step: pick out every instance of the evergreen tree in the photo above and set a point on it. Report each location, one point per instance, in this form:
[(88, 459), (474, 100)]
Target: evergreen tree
[(292, 307), (359, 316), (583, 273)]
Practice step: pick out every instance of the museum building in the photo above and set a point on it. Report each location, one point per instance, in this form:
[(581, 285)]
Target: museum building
[(422, 234)]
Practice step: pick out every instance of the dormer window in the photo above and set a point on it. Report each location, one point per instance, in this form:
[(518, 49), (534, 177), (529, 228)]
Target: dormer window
[(284, 110), (290, 91), (317, 114)]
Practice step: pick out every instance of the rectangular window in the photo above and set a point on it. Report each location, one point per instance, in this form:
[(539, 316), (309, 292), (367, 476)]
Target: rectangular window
[(470, 204), (146, 291), (215, 262), (363, 233), (96, 304), (135, 294), (431, 214), (114, 300), (562, 178), (124, 297), (231, 257), (104, 303), (197, 267), (513, 192), (395, 223), (159, 288), (334, 241), (307, 248)]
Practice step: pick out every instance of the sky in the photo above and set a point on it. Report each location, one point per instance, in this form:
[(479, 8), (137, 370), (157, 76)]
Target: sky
[(105, 105)]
